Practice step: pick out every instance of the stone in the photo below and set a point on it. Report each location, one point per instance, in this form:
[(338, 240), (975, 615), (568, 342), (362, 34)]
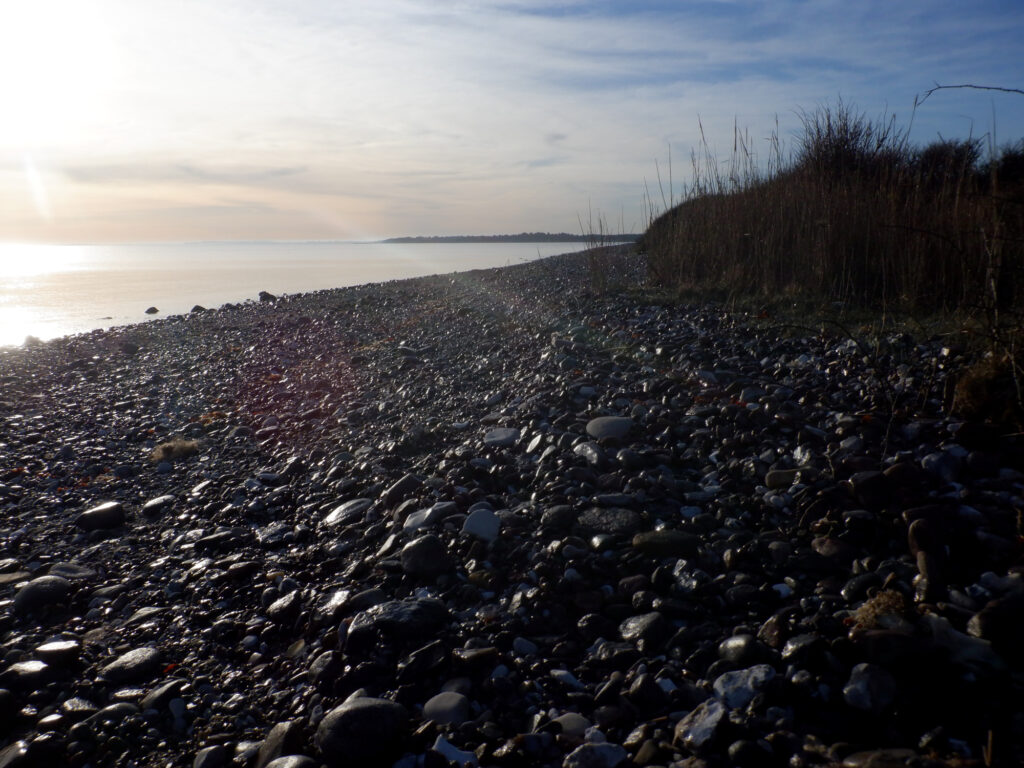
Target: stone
[(879, 758), (447, 708), (610, 427), (155, 507), (400, 490), (779, 479), (700, 729), (501, 437), (26, 675), (267, 296), (364, 731), (738, 688), (483, 524), (453, 754), (648, 631), (870, 488), (293, 761), (349, 512), (871, 688), (211, 757), (41, 593), (666, 543), (284, 738), (611, 520), (110, 514), (286, 608), (425, 556), (602, 755), (151, 310), (136, 666)]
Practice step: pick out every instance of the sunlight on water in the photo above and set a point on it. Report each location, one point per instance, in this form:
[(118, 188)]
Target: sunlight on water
[(55, 290), (17, 261)]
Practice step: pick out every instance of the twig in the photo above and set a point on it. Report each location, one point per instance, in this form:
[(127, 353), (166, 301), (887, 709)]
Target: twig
[(938, 87)]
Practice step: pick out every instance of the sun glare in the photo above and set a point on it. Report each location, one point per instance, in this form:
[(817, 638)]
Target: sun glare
[(26, 260), (55, 62)]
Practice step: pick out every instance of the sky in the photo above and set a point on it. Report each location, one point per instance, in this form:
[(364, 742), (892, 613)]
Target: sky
[(129, 121)]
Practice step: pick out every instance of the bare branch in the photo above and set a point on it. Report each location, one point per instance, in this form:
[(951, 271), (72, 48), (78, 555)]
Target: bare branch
[(938, 87)]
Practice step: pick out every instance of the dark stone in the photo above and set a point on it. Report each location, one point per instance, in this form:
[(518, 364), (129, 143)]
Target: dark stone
[(135, 666), (666, 543), (110, 514), (284, 738), (40, 593), (425, 556), (613, 521), (367, 732)]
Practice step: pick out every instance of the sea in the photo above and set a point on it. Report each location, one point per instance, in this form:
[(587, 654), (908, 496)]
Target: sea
[(47, 291)]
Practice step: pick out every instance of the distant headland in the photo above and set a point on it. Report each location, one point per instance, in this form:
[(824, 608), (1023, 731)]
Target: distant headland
[(523, 237)]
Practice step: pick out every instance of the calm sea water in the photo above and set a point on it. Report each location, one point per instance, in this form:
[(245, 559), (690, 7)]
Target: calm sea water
[(54, 290)]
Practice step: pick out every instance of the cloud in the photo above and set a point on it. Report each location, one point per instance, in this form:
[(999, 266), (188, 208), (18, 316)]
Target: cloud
[(440, 113)]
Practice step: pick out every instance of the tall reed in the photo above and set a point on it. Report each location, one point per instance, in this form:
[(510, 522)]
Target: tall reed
[(856, 213)]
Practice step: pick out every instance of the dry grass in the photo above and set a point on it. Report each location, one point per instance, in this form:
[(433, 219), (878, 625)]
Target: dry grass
[(176, 448), (857, 215), (887, 603)]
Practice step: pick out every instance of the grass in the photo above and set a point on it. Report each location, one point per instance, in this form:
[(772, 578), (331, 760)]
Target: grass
[(857, 217), (176, 448)]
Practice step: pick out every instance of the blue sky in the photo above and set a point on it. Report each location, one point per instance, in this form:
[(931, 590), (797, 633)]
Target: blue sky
[(305, 119)]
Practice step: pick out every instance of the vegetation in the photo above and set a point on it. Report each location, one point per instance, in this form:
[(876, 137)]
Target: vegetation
[(524, 237), (860, 216), (857, 215)]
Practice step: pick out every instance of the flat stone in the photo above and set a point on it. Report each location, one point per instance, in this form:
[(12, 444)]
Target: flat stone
[(610, 427), (135, 666), (365, 731), (346, 513), (293, 761), (501, 437)]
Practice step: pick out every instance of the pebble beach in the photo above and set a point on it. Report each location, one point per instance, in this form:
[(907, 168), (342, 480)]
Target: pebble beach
[(503, 519)]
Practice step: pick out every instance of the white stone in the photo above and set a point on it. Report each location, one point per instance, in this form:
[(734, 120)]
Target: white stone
[(484, 524)]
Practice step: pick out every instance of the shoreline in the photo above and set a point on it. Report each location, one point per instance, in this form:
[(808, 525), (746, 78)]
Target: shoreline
[(534, 523)]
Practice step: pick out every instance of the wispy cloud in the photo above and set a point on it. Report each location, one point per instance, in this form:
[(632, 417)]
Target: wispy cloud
[(406, 116)]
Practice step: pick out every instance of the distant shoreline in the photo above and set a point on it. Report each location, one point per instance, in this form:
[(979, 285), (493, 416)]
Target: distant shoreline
[(524, 237)]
